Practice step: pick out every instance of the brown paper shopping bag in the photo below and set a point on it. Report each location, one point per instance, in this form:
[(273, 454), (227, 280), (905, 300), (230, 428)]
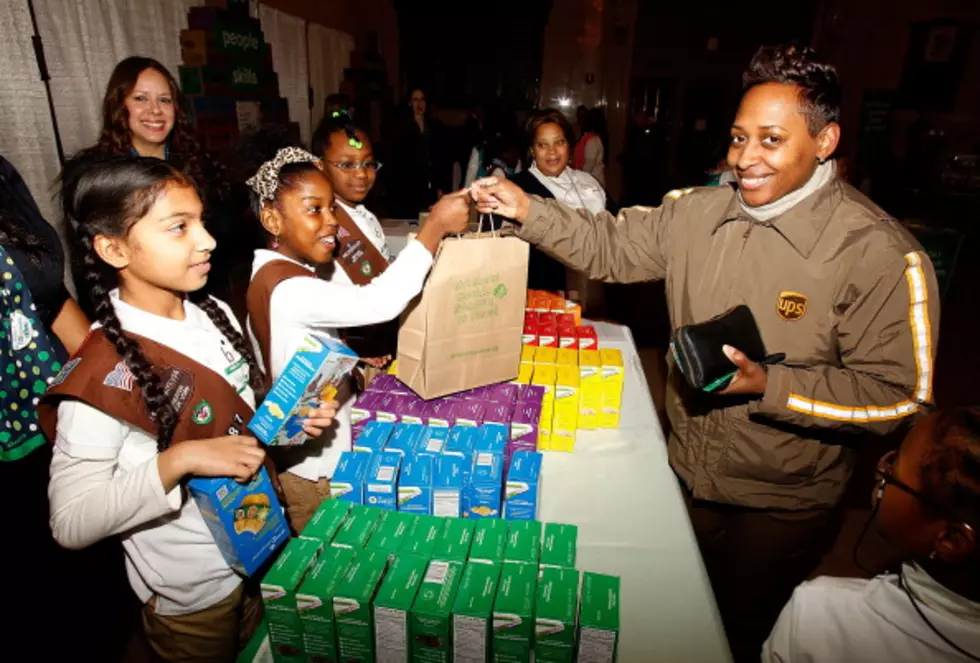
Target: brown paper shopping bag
[(465, 329)]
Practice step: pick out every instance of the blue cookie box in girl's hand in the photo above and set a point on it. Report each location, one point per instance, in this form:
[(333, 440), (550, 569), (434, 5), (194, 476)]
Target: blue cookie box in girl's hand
[(522, 491), (348, 479), (313, 374), (245, 520)]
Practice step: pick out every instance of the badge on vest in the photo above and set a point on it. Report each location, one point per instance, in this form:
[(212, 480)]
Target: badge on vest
[(202, 413), (791, 306), (178, 386), (366, 268), (21, 330), (120, 377), (64, 372)]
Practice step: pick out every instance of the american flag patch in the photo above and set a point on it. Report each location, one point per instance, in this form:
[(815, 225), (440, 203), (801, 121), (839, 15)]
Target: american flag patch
[(120, 377)]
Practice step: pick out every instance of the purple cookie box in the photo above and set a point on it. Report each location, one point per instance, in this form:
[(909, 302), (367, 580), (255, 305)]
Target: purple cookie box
[(439, 413), (499, 413), (469, 413), (504, 392), (388, 384), (526, 416), (531, 393)]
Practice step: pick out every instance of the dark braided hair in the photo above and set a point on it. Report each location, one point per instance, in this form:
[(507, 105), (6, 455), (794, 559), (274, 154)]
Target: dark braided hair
[(334, 122), (107, 198), (820, 89), (950, 470)]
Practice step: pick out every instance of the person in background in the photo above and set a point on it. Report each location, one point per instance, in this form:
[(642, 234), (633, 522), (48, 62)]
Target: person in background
[(293, 205), (498, 151), (581, 118), (927, 505), (145, 114), (590, 150), (833, 282), (550, 176), (42, 326), (419, 169)]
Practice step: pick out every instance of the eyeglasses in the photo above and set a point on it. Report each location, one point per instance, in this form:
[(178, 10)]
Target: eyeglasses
[(886, 477), (352, 166)]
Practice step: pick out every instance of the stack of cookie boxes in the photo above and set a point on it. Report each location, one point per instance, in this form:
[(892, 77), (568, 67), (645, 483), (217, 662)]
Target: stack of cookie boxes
[(364, 584)]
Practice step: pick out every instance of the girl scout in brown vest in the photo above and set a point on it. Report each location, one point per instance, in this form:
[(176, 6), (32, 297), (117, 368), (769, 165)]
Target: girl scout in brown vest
[(159, 392), (295, 206)]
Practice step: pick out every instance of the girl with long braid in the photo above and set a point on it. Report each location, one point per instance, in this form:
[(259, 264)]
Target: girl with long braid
[(158, 393)]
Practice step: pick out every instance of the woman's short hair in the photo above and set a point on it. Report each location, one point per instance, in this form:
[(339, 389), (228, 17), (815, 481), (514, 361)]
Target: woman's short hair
[(548, 116), (820, 90)]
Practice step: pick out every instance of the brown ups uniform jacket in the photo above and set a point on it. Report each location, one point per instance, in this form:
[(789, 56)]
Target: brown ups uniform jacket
[(834, 283)]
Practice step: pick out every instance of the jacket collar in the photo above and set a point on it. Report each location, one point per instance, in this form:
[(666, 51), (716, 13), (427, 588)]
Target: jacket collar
[(803, 224)]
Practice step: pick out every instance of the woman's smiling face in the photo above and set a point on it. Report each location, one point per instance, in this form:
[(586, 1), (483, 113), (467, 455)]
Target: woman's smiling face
[(772, 151)]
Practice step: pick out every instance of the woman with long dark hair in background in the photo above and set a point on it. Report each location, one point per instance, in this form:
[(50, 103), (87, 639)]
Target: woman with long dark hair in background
[(145, 114)]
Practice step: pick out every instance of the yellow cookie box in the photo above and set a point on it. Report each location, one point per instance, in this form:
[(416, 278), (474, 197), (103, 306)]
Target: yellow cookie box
[(546, 356), (612, 387), (590, 384), (524, 373), (527, 354), (545, 376), (393, 369), (544, 425), (566, 357), (567, 400)]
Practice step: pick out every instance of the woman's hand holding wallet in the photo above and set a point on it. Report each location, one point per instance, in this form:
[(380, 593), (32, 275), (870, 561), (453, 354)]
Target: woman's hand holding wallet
[(724, 355)]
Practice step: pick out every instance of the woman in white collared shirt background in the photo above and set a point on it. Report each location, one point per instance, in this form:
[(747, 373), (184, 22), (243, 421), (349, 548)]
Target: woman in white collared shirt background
[(550, 135)]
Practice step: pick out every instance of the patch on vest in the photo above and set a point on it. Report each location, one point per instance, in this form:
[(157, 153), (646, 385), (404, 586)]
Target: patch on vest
[(366, 268), (178, 385), (202, 413), (791, 306), (120, 377), (64, 372)]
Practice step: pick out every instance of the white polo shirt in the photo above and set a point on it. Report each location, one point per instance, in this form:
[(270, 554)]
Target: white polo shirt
[(300, 304), (835, 620), (371, 227), (170, 552)]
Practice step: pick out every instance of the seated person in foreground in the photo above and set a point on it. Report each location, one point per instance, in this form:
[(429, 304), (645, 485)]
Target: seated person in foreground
[(927, 504)]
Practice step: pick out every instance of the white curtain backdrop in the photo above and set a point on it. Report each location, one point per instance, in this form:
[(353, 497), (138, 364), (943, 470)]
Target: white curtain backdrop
[(83, 41), (329, 55), (287, 35), (26, 133)]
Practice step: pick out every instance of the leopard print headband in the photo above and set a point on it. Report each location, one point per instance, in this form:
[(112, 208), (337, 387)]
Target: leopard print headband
[(266, 181)]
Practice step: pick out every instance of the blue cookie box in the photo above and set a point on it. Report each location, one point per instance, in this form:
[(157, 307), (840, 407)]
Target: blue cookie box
[(374, 437), (405, 439), (415, 485), (460, 441), (484, 492), (219, 499), (348, 479), (432, 442), (447, 487), (492, 438), (523, 490), (381, 486), (318, 363)]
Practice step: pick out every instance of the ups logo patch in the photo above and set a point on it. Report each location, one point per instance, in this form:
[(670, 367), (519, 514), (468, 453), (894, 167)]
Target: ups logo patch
[(791, 306)]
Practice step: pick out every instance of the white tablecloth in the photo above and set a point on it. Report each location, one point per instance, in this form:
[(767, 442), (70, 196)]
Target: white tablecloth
[(620, 491)]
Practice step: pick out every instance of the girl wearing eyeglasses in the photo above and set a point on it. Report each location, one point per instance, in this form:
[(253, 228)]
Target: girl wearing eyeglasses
[(927, 506)]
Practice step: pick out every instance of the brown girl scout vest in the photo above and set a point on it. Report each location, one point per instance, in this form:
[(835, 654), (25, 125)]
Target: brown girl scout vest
[(207, 406), (362, 262)]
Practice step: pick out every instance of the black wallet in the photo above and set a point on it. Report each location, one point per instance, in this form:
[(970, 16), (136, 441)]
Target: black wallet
[(697, 349)]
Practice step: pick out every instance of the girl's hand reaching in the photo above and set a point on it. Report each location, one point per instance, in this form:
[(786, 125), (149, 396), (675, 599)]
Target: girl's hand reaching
[(235, 456), (321, 418), (451, 215), (377, 362)]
